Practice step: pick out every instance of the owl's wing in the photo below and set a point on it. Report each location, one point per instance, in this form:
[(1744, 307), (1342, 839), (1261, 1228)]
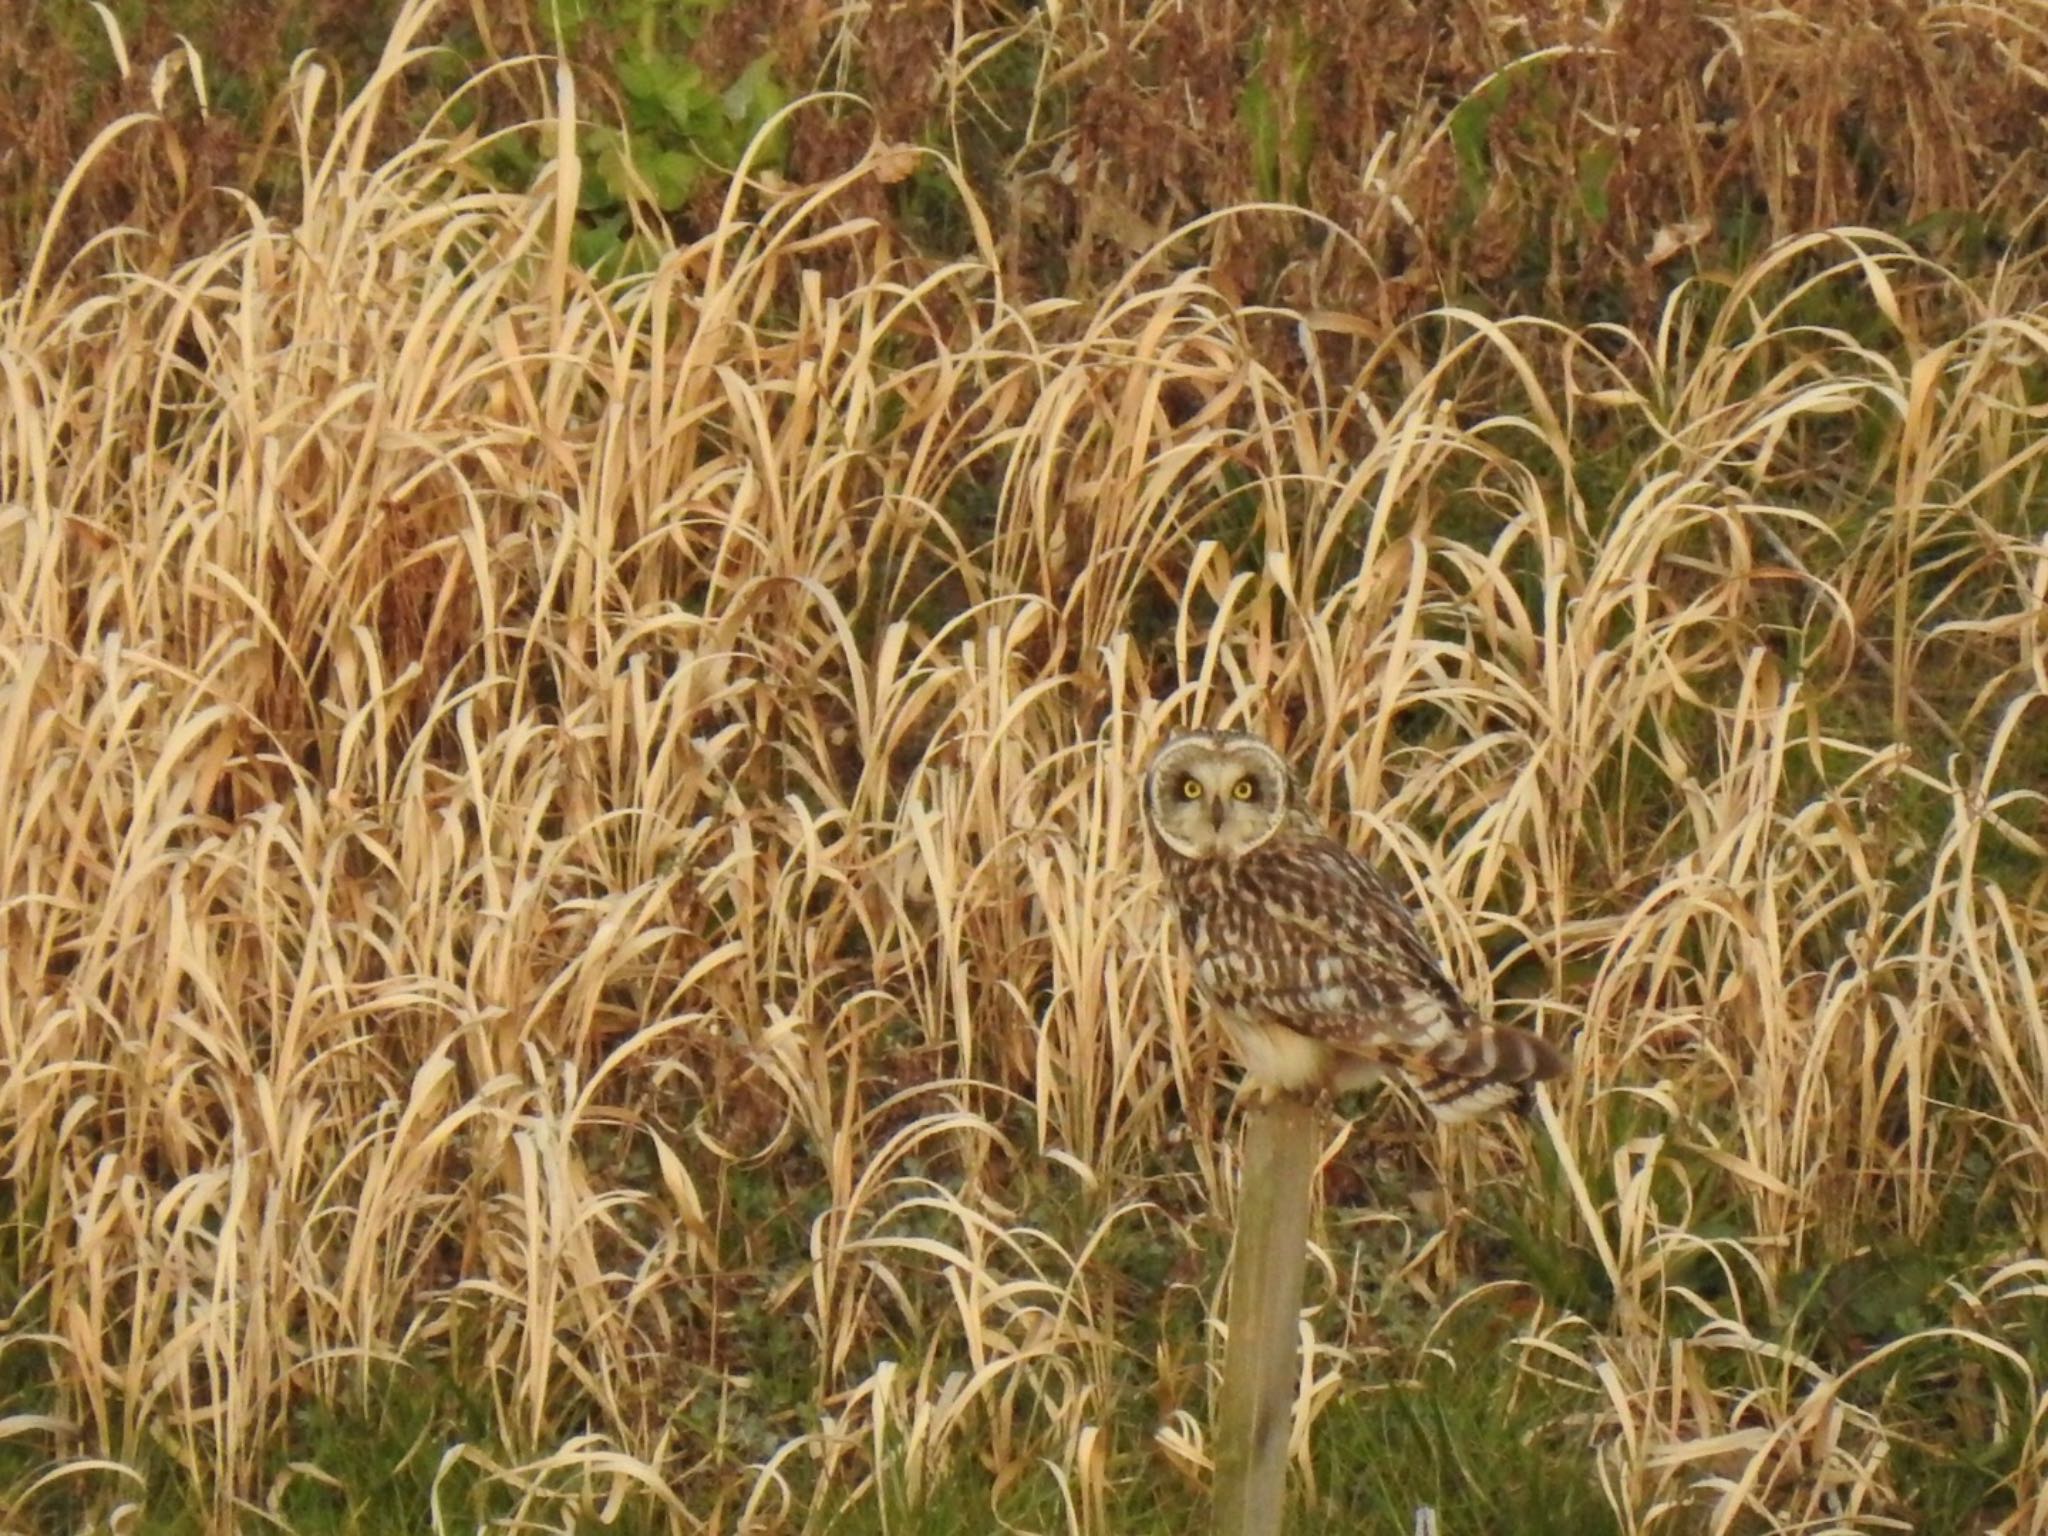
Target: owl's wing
[(1340, 960)]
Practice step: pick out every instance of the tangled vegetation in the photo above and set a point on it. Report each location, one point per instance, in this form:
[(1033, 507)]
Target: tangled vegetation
[(578, 950)]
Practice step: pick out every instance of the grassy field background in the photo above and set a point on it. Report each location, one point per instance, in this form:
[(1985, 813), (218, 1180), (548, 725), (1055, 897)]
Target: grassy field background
[(576, 643)]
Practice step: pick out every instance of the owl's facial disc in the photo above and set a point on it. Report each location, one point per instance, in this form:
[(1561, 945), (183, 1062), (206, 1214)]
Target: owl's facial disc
[(1216, 794)]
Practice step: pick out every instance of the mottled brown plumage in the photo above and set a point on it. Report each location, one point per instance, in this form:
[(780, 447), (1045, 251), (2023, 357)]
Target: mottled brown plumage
[(1308, 958)]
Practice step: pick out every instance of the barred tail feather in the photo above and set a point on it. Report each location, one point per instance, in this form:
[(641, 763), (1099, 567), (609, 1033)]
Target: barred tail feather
[(1482, 1069)]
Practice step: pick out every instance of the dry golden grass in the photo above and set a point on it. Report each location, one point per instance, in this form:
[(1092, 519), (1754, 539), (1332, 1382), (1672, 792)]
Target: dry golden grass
[(581, 834)]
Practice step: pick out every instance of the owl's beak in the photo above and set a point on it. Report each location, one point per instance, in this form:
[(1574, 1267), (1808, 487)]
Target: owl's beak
[(1216, 810)]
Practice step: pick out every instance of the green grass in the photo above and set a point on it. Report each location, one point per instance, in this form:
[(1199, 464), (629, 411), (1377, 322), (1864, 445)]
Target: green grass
[(1488, 1446), (1437, 1413), (1485, 1446), (366, 1461)]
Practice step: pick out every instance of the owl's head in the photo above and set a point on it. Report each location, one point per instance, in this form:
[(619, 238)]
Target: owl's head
[(1216, 794)]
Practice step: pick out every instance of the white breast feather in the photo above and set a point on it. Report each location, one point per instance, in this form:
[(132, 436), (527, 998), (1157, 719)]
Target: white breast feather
[(1280, 1057), (1291, 1061)]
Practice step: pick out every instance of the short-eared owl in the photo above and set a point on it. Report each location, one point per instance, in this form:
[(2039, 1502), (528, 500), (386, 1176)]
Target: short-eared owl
[(1303, 952)]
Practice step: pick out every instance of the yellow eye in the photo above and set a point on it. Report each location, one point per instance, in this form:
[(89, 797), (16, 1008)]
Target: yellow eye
[(1244, 789), (1190, 790)]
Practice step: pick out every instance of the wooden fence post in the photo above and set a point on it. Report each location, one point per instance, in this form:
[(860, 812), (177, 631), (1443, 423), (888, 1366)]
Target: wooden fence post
[(1256, 1416)]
